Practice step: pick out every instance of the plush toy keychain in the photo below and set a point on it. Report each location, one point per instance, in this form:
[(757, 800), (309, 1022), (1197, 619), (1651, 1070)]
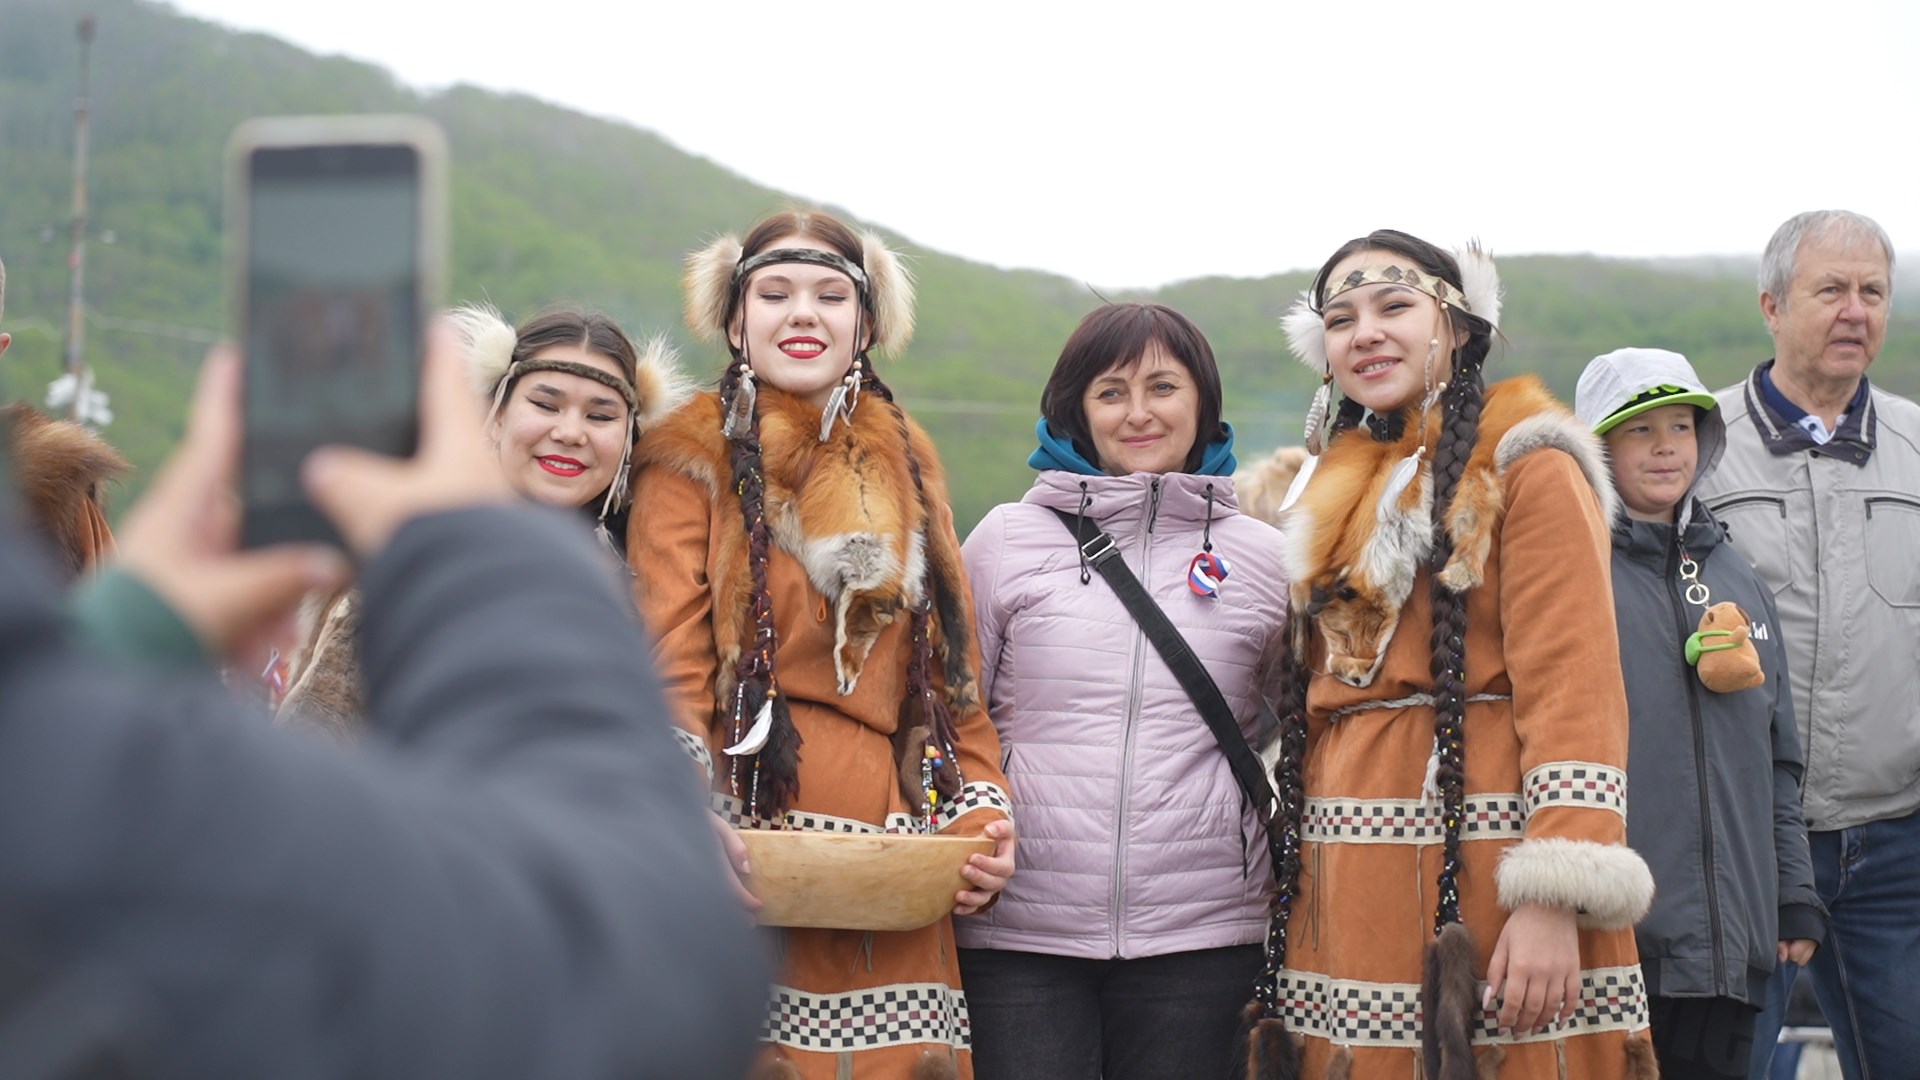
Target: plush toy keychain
[(1721, 650)]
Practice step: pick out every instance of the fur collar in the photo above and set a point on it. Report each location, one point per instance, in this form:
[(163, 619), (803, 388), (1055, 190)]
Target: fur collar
[(62, 470), (1352, 555), (845, 509)]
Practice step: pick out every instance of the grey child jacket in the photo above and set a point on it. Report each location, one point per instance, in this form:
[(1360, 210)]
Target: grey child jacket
[(1715, 778)]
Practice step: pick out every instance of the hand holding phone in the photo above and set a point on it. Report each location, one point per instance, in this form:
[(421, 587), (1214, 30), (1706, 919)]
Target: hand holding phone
[(337, 254)]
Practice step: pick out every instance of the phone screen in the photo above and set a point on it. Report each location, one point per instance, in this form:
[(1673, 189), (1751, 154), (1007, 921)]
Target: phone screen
[(333, 319)]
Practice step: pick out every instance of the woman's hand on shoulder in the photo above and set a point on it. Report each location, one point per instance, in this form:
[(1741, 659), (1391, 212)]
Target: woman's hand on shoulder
[(1535, 970), (987, 873)]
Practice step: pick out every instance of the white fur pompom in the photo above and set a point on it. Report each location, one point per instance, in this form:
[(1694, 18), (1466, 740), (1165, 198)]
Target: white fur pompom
[(658, 382), (487, 342), (892, 286), (708, 285), (1480, 281), (1306, 334)]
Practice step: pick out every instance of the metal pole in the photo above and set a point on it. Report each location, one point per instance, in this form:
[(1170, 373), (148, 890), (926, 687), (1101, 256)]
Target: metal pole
[(77, 257)]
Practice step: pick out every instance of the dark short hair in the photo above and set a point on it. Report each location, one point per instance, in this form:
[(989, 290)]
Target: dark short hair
[(590, 330), (1118, 335)]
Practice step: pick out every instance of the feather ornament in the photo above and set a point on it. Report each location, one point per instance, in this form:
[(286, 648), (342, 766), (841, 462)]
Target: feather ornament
[(1479, 281)]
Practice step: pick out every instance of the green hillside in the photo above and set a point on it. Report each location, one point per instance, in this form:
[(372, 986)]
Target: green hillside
[(551, 205)]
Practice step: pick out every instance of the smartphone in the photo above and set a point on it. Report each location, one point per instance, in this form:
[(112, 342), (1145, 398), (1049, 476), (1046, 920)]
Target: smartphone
[(337, 259)]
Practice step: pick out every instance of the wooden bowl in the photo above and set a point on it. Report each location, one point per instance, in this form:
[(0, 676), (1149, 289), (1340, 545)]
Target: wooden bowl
[(856, 881)]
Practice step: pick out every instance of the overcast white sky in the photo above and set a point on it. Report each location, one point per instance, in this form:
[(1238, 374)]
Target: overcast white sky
[(1135, 144)]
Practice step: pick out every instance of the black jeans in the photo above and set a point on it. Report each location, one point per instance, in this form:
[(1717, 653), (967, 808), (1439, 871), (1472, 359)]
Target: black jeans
[(1702, 1038), (1041, 1017)]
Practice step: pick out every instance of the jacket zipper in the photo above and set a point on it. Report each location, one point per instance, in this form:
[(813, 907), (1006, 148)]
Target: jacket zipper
[(1700, 775), (1134, 692)]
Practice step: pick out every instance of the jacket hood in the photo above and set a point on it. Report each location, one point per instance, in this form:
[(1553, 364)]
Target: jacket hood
[(1611, 381), (1056, 452)]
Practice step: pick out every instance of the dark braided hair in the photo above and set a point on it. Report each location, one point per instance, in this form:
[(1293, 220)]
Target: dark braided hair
[(771, 777)]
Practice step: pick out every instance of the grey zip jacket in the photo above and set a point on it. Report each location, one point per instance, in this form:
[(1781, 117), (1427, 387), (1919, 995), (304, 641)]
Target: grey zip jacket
[(1834, 531), (1715, 778)]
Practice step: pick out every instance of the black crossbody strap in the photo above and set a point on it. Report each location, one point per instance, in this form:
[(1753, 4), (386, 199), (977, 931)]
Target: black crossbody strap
[(1100, 550)]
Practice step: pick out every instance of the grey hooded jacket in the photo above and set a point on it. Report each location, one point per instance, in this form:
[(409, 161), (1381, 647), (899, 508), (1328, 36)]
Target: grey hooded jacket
[(1834, 531), (1715, 778)]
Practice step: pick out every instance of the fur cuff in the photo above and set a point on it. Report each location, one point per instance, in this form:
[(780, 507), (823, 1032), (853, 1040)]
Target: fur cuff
[(1608, 884)]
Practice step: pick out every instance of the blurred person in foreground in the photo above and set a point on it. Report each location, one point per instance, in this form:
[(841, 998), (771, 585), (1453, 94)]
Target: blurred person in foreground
[(517, 882), (1820, 489)]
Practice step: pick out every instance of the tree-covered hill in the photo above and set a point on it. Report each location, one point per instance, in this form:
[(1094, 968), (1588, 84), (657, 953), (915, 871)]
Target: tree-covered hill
[(553, 206)]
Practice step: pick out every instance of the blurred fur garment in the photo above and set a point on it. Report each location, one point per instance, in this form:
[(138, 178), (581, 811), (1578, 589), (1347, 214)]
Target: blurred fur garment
[(62, 470)]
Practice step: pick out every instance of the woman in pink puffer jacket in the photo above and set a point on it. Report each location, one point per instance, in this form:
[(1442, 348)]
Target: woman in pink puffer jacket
[(1133, 930)]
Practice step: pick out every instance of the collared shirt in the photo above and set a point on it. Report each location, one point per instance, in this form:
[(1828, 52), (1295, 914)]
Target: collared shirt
[(1786, 428)]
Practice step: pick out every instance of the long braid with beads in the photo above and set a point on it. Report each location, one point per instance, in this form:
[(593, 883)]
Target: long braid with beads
[(1460, 428), (928, 759), (769, 779)]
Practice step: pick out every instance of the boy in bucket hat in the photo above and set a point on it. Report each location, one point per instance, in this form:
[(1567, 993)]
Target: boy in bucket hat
[(1734, 884)]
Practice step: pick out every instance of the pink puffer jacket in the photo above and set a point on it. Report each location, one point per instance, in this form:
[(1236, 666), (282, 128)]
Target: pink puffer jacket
[(1134, 838)]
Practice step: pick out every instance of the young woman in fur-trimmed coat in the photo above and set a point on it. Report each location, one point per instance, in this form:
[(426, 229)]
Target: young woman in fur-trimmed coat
[(569, 394), (1457, 899), (796, 561)]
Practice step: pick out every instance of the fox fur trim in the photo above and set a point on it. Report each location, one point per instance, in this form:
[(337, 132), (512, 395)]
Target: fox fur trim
[(1608, 884), (62, 469), (846, 510), (708, 285), (1480, 284), (1353, 559), (325, 692)]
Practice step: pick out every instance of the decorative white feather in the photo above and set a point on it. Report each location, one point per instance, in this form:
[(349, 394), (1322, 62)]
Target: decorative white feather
[(707, 282), (1306, 334), (892, 288), (1480, 281), (658, 382), (487, 343)]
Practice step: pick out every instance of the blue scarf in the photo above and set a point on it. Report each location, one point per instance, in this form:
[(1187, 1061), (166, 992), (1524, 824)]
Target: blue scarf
[(1058, 453)]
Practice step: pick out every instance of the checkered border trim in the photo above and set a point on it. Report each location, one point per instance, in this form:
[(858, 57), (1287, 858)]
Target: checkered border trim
[(1499, 816), (1576, 783), (891, 1015), (1354, 1013), (975, 795), (696, 748)]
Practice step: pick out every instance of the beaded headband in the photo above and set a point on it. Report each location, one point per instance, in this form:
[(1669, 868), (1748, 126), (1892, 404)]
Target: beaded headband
[(1307, 334), (1436, 287)]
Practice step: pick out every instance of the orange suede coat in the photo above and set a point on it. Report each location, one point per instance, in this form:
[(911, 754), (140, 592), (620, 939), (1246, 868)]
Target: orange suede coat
[(1546, 751), (847, 1003)]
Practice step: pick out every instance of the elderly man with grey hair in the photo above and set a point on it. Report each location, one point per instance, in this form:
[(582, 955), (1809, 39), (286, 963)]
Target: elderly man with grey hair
[(1820, 489)]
